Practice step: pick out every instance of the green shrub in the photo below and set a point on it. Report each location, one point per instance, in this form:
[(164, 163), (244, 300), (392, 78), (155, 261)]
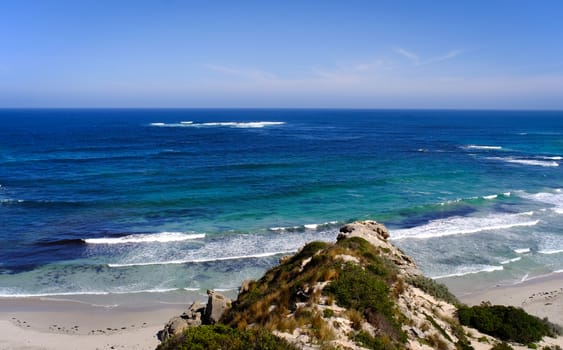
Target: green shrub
[(366, 292), (504, 322), (437, 290), (222, 337), (366, 340), (327, 313), (502, 346)]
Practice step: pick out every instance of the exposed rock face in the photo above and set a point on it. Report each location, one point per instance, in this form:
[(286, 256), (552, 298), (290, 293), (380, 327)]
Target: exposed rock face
[(217, 304), (175, 326), (377, 235), (196, 315)]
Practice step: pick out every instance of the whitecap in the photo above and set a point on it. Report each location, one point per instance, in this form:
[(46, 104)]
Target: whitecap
[(303, 227), (470, 271), (243, 125), (550, 251), (492, 196), (510, 260), (483, 147), (522, 250), (161, 237), (458, 225), (555, 199), (520, 161)]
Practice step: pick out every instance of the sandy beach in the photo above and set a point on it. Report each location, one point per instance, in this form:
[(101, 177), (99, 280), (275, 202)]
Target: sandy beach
[(541, 296), (34, 324)]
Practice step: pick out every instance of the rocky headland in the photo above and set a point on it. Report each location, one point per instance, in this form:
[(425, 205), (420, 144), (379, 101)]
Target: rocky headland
[(361, 292)]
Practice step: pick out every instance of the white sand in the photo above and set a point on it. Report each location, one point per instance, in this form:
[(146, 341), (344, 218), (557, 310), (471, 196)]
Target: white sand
[(39, 324), (542, 297)]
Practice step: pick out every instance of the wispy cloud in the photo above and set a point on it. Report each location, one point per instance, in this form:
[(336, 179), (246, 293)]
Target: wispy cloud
[(250, 74), (409, 55), (417, 61)]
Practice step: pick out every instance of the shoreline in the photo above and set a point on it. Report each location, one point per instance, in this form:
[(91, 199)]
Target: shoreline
[(36, 323), (98, 323), (540, 296)]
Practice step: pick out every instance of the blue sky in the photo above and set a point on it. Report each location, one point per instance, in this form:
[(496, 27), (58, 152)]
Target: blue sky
[(349, 54)]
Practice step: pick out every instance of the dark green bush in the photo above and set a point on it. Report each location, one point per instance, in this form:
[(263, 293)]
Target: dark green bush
[(366, 292), (366, 340), (502, 346), (504, 322), (437, 290), (222, 337)]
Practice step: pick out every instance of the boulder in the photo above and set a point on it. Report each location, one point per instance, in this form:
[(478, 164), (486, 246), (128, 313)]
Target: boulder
[(217, 304), (364, 228), (194, 313), (175, 326)]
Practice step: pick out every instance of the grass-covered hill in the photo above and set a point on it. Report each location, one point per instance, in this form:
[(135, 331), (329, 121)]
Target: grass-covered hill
[(358, 293)]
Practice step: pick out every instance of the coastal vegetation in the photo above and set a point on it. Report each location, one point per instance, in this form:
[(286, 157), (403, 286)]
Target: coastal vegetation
[(358, 293), (507, 323), (216, 337)]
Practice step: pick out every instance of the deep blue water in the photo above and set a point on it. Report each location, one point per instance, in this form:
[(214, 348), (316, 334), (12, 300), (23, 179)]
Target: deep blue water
[(209, 203)]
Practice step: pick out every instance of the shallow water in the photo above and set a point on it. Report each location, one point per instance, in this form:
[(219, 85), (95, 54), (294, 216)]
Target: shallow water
[(122, 201)]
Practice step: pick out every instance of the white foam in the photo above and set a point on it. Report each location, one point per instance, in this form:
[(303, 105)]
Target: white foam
[(492, 196), (59, 294), (558, 271), (468, 271), (203, 260), (555, 199), (524, 278), (510, 260), (552, 158), (550, 251), (10, 200), (251, 125), (522, 250), (307, 226), (281, 228), (483, 147), (534, 162), (161, 237), (458, 225)]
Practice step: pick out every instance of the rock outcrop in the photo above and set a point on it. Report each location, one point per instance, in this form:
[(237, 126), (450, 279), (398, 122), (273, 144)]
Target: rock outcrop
[(217, 304), (196, 315), (361, 292)]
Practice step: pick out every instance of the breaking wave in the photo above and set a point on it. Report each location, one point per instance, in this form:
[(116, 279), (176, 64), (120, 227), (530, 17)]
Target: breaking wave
[(535, 162), (161, 237), (469, 270), (243, 125), (458, 225), (483, 147)]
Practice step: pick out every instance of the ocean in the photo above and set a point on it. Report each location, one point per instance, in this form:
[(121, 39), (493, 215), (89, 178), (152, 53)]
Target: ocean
[(126, 201)]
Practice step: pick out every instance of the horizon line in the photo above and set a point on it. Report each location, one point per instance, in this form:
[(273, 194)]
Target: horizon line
[(296, 108)]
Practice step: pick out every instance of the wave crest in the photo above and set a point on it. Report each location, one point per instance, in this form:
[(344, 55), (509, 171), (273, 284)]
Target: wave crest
[(458, 225), (162, 237), (243, 125)]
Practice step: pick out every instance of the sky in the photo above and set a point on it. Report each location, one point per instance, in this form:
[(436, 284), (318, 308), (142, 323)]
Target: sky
[(479, 54)]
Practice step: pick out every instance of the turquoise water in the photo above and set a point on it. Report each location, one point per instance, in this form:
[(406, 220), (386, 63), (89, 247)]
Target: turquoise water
[(124, 201)]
